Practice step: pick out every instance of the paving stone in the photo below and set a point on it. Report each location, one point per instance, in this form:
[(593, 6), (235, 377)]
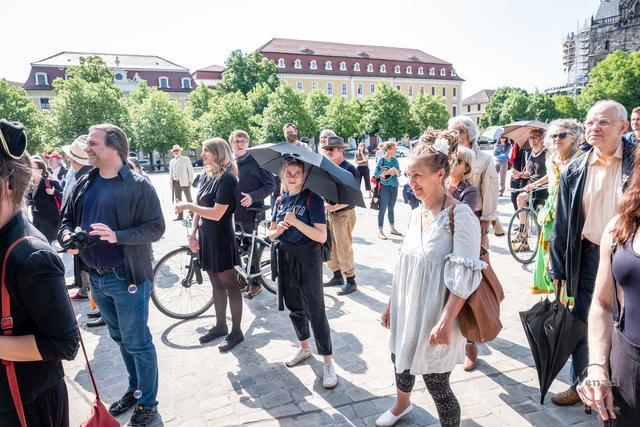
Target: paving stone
[(275, 398)]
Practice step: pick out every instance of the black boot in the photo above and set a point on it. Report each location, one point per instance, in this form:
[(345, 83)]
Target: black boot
[(349, 287), (337, 279)]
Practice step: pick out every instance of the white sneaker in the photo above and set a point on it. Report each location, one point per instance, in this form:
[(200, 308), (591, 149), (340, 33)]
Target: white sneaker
[(330, 378), (388, 419), (302, 354)]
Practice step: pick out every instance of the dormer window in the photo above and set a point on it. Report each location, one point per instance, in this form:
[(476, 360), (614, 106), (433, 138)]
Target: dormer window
[(119, 77), (297, 64), (396, 69), (343, 66), (432, 71), (383, 68), (186, 83), (356, 67), (327, 66), (42, 79), (453, 72), (313, 64), (443, 72), (369, 68), (421, 71), (408, 70), (163, 82), (281, 63)]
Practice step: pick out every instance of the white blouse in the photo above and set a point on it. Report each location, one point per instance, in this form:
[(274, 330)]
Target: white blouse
[(432, 263)]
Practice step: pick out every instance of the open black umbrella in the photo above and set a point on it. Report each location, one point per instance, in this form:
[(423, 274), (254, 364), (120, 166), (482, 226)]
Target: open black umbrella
[(553, 332), (322, 176)]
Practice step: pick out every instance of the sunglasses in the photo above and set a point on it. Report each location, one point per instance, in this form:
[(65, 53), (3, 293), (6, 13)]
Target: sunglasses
[(560, 136)]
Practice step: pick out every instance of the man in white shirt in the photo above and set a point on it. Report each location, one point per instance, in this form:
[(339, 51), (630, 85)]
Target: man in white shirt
[(180, 176)]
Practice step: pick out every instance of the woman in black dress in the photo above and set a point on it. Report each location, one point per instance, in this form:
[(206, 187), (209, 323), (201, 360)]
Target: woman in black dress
[(43, 330), (45, 198), (213, 236)]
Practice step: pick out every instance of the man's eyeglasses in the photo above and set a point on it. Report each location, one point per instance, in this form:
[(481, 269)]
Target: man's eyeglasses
[(603, 123), (240, 141), (560, 136)]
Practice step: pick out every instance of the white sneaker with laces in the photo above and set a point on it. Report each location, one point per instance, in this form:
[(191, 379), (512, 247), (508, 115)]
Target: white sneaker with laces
[(330, 378), (388, 419), (302, 354)]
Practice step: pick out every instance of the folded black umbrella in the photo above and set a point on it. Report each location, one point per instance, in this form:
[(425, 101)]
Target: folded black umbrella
[(553, 333), (322, 176)]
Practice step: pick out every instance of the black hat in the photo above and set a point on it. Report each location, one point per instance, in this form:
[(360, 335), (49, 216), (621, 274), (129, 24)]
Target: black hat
[(334, 141), (13, 140)]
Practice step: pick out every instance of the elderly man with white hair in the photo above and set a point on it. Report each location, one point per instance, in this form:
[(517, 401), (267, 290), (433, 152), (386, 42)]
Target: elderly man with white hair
[(588, 194)]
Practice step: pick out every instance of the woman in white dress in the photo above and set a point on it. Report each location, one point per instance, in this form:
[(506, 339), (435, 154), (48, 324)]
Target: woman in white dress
[(438, 269)]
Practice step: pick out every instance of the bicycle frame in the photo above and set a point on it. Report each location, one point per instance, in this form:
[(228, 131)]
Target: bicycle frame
[(246, 272)]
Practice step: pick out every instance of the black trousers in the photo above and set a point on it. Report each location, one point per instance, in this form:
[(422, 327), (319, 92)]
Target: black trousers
[(50, 409), (624, 361), (304, 298), (365, 174)]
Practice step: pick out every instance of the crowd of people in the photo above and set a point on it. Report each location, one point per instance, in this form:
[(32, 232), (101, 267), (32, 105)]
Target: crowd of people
[(105, 212)]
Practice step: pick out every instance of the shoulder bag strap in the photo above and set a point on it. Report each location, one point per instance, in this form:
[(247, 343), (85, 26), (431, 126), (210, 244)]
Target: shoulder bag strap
[(615, 304), (452, 224), (6, 326)]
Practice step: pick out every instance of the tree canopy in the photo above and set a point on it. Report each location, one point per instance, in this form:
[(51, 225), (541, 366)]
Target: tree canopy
[(343, 117), (428, 111), (286, 105), (387, 112), (243, 72), (226, 114)]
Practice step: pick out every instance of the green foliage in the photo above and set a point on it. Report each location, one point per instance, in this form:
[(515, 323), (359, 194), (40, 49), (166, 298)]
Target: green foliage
[(428, 111), (141, 93), (387, 112), (617, 77), (514, 107), (286, 105), (92, 69), (567, 107), (16, 106), (259, 97), (541, 107), (317, 102), (343, 117), (199, 100), (226, 114), (493, 115), (158, 122), (243, 72)]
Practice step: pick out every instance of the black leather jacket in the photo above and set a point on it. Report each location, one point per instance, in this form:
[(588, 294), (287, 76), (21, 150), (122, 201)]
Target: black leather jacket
[(139, 217), (565, 245)]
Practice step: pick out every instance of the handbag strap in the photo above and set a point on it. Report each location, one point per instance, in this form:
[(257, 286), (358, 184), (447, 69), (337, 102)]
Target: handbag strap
[(616, 310), (6, 325)]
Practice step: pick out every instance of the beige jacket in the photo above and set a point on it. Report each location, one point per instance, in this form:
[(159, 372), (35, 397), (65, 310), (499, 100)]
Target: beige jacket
[(180, 169), (485, 178)]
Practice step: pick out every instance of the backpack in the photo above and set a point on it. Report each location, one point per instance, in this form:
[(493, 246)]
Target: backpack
[(326, 246)]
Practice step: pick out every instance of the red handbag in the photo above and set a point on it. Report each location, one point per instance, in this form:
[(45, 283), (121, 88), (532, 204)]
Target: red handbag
[(99, 417), (58, 202)]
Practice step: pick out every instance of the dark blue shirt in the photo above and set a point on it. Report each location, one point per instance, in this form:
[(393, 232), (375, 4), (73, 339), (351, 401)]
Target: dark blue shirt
[(309, 208), (100, 206)]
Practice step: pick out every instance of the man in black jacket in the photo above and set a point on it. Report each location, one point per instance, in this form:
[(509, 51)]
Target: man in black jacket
[(254, 185), (121, 211), (588, 195)]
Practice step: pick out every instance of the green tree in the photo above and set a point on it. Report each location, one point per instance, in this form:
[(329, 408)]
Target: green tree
[(492, 114), (617, 77), (259, 97), (541, 107), (567, 107), (387, 112), (243, 72), (317, 102), (286, 105), (16, 106), (92, 69), (514, 108), (428, 111), (141, 93), (226, 113), (343, 117), (199, 100), (158, 123)]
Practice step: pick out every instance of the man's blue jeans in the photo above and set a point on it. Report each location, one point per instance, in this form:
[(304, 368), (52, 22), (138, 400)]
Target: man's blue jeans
[(126, 315)]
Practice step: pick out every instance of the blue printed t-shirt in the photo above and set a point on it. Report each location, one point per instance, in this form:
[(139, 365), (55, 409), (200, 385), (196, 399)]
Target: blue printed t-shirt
[(99, 205), (298, 203), (383, 166)]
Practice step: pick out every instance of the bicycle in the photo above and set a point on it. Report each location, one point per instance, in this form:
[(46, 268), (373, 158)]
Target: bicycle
[(523, 236), (182, 291)]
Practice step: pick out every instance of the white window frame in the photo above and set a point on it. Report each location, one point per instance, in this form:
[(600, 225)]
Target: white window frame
[(327, 66), (329, 88), (356, 66), (160, 84), (433, 91), (453, 72), (444, 91), (421, 71), (297, 64), (343, 66), (343, 88), (372, 88), (281, 63), (46, 79), (421, 90), (432, 71), (383, 68), (299, 85), (410, 90), (454, 92), (360, 89), (313, 65), (369, 68), (443, 72), (396, 69), (408, 70), (314, 85), (188, 81), (42, 104)]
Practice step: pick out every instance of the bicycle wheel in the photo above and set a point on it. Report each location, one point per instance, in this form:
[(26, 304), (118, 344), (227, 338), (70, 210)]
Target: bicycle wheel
[(180, 288), (523, 238), (263, 253)]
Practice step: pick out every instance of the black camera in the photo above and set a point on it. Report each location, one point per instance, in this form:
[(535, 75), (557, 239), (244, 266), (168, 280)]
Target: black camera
[(79, 239)]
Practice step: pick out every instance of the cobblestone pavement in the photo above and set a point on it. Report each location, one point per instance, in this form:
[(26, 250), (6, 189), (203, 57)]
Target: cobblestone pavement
[(251, 386)]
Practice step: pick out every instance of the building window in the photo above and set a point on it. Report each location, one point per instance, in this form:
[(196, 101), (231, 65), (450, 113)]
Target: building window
[(343, 66), (398, 88), (314, 85), (356, 66), (372, 87), (118, 77), (443, 72), (369, 68), (433, 91), (479, 107), (360, 89), (453, 72), (607, 44), (383, 68), (444, 91), (330, 88), (344, 88), (396, 69), (44, 104), (186, 83), (455, 91), (468, 108), (455, 111), (299, 85), (410, 90), (432, 71), (327, 66), (42, 79), (408, 70), (422, 90), (421, 70), (297, 64), (313, 64), (163, 82), (281, 63)]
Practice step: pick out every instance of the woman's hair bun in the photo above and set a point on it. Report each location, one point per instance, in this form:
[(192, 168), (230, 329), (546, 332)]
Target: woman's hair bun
[(437, 141)]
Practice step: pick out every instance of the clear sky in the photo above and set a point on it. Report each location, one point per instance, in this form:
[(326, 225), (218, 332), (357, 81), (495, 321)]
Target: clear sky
[(491, 43)]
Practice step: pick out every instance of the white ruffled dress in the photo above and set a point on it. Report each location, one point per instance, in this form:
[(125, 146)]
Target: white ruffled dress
[(431, 263)]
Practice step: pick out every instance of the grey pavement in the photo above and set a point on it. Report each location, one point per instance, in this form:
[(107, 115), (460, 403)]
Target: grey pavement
[(250, 386)]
